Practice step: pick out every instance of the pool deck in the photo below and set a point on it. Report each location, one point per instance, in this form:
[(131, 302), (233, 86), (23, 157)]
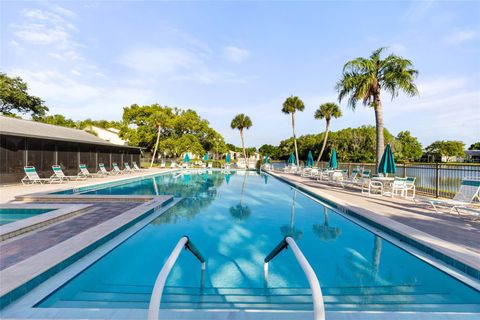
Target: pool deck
[(457, 236)]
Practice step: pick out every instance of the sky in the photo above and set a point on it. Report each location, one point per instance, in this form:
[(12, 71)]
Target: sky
[(91, 59)]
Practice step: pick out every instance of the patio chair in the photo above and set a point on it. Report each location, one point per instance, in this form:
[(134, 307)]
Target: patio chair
[(163, 164), (364, 180), (403, 185), (84, 172), (469, 190), (210, 165), (351, 179), (137, 168), (104, 170), (31, 176), (173, 164), (58, 173), (116, 169)]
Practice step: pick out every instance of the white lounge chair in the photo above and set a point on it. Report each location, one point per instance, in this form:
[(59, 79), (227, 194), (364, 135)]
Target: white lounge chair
[(104, 170), (210, 165), (173, 164), (469, 190), (403, 185), (137, 168), (163, 164), (84, 172), (351, 179), (58, 173), (116, 169), (32, 177), (127, 168)]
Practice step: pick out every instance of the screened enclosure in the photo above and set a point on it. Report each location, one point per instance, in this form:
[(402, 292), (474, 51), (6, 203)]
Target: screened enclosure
[(17, 152)]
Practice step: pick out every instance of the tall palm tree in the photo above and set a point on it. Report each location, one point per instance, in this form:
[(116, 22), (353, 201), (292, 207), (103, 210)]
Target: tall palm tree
[(364, 78), (241, 122), (290, 106), (327, 111), (160, 119)]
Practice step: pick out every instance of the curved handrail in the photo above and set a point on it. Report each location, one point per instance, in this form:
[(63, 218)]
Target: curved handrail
[(317, 297), (156, 297)]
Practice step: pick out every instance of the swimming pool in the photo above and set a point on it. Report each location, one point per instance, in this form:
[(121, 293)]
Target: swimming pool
[(9, 215), (235, 220)]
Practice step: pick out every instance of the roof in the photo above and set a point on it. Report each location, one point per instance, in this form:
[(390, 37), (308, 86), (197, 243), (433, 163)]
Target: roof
[(473, 152), (32, 129)]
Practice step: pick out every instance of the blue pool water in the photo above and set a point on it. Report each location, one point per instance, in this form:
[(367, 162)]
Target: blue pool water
[(235, 220), (14, 214)]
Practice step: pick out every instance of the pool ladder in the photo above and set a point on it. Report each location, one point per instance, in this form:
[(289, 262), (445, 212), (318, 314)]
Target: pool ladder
[(184, 242)]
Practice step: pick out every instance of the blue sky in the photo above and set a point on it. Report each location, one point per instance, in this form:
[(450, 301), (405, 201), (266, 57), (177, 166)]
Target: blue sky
[(91, 59)]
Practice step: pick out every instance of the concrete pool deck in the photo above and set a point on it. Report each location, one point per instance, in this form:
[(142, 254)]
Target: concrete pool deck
[(457, 236)]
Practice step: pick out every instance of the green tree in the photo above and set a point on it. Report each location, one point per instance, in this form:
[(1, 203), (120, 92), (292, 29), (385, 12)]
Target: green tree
[(159, 119), (447, 148), (14, 98), (364, 79), (327, 111), (407, 147), (58, 120), (241, 122), (475, 146), (290, 106), (269, 149)]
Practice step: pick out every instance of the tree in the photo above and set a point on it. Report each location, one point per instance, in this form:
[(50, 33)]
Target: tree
[(159, 119), (290, 106), (14, 98), (241, 122), (327, 111), (269, 149), (58, 120), (447, 149), (475, 146), (407, 147), (364, 79)]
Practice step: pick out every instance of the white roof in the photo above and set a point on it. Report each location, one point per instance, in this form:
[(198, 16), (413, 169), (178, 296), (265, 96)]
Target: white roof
[(32, 129)]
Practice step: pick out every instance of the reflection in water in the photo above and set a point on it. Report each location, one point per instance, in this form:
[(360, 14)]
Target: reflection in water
[(289, 230), (155, 186), (227, 178), (265, 178), (325, 232), (239, 211), (377, 252)]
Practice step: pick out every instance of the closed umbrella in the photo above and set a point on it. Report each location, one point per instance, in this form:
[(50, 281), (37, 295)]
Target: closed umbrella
[(310, 159), (186, 158), (292, 159), (205, 157), (228, 159), (265, 160), (333, 160), (387, 164)]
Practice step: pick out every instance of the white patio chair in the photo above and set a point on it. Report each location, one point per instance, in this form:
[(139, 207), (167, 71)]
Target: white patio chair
[(32, 177), (58, 173), (104, 170), (84, 172)]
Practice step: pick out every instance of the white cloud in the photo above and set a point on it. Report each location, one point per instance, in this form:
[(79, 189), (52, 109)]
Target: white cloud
[(460, 36), (235, 54)]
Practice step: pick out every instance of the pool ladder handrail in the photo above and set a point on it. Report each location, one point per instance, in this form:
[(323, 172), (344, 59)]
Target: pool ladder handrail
[(156, 297), (317, 297)]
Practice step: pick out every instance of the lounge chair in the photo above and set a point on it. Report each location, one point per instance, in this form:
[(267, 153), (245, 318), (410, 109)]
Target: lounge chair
[(351, 179), (116, 169), (163, 164), (58, 173), (33, 177), (364, 181), (210, 165), (469, 190), (103, 170), (84, 172), (127, 167), (137, 168)]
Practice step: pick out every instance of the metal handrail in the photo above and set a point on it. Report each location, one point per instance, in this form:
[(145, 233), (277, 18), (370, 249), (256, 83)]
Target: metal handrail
[(156, 297), (317, 297)]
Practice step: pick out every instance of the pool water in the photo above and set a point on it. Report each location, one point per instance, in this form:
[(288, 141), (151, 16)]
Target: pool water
[(14, 214), (235, 220)]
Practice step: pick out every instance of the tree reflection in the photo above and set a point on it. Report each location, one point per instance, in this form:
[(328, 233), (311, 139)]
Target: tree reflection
[(325, 232), (290, 230), (240, 211)]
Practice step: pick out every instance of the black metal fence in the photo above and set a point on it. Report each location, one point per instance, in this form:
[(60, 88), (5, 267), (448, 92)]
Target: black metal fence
[(435, 179)]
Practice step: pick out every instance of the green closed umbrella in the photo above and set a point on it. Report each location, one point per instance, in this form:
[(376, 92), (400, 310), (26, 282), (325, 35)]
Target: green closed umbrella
[(228, 159), (187, 158), (333, 160), (265, 160), (292, 159), (387, 164), (205, 157), (310, 159)]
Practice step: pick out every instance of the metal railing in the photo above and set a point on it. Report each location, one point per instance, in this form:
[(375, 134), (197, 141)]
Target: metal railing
[(434, 179), (317, 297), (156, 297)]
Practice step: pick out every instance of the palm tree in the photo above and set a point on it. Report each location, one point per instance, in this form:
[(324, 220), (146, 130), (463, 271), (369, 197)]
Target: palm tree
[(159, 118), (363, 80), (327, 111), (241, 212), (290, 106), (240, 122)]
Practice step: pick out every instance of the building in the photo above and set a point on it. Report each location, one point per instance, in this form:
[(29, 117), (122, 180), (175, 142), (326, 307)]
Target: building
[(108, 134), (472, 155), (29, 143)]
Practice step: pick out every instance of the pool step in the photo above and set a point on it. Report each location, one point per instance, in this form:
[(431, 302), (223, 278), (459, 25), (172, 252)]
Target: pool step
[(280, 298)]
